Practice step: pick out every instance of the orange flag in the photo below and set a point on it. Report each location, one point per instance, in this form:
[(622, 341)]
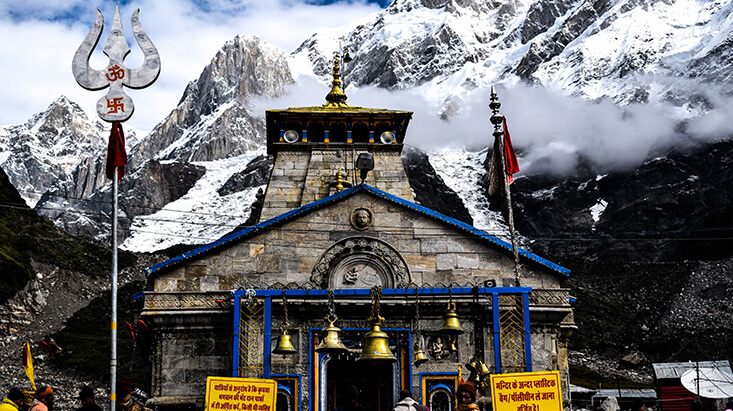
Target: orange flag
[(28, 364)]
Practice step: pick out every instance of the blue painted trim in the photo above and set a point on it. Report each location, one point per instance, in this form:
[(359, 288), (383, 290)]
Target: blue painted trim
[(497, 332), (267, 339), (300, 386), (337, 197), (572, 299), (527, 334), (235, 350)]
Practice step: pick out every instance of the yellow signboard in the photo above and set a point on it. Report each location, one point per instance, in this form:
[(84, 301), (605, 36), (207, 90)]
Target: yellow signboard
[(527, 391), (240, 394)]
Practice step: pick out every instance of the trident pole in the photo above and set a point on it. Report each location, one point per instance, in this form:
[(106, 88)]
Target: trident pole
[(113, 324), (115, 107)]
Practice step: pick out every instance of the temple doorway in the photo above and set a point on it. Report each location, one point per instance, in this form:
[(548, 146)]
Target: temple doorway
[(370, 385)]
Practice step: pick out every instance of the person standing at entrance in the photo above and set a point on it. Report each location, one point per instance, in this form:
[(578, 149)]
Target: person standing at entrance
[(406, 403), (467, 397)]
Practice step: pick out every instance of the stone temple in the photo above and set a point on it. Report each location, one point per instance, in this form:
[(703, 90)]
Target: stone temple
[(341, 243)]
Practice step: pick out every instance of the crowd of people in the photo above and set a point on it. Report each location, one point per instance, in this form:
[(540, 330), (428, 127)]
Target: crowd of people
[(43, 400)]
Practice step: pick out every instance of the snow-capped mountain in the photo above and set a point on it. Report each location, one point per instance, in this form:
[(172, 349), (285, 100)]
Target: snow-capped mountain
[(58, 147), (625, 51)]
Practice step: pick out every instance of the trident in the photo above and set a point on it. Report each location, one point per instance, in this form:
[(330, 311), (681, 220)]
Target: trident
[(115, 107)]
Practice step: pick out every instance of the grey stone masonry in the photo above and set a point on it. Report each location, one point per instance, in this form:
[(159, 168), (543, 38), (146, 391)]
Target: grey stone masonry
[(302, 177)]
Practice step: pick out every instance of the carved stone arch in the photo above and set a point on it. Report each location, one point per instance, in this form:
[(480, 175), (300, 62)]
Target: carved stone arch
[(360, 262)]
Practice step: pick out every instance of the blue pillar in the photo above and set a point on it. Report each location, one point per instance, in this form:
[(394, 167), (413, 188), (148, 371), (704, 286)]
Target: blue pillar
[(235, 350), (527, 334), (266, 338), (497, 332)]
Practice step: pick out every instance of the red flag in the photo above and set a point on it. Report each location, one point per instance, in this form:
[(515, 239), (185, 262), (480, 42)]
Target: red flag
[(510, 157), (496, 180), (116, 153)]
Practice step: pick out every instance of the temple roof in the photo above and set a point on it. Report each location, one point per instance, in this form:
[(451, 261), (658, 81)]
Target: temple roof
[(361, 188)]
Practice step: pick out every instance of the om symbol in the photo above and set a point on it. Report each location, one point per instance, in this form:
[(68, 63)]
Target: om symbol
[(115, 73)]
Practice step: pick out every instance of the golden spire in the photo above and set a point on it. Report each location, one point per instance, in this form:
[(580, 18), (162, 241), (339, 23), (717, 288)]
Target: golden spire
[(336, 97)]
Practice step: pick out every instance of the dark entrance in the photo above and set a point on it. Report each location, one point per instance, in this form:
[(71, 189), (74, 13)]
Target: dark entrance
[(373, 384)]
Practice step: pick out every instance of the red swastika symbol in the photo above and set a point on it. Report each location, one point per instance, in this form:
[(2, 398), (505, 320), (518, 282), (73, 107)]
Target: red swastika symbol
[(115, 73), (115, 105)]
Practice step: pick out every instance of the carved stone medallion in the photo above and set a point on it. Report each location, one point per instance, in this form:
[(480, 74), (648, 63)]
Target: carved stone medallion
[(361, 218), (360, 262)]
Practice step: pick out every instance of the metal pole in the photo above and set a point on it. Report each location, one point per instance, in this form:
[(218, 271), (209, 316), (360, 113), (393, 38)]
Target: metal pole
[(113, 325), (498, 121)]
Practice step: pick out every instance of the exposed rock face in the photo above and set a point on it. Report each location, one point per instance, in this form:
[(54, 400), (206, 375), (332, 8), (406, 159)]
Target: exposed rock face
[(211, 120), (430, 190), (654, 213), (146, 191), (256, 174)]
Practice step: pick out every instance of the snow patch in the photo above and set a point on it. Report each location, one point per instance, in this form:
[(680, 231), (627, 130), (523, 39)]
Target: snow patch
[(202, 215)]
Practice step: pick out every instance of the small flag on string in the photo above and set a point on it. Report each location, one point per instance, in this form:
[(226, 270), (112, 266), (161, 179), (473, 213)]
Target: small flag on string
[(116, 153), (28, 364), (496, 175)]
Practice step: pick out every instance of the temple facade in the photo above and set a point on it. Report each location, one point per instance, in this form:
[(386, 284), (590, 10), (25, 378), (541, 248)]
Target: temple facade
[(341, 245)]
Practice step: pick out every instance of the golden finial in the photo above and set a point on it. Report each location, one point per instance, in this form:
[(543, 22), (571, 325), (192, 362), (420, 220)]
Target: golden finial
[(339, 181), (336, 97)]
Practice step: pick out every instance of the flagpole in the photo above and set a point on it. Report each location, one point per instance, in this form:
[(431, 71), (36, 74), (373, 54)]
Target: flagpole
[(113, 324), (115, 107), (498, 120)]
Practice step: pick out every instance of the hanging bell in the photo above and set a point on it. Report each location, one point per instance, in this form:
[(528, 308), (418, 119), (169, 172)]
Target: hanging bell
[(347, 57), (451, 346), (420, 357), (376, 345), (451, 325), (483, 370), (284, 344), (472, 366), (331, 342)]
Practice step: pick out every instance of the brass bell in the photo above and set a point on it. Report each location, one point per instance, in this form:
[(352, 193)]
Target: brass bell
[(420, 357), (472, 366), (451, 346), (376, 345), (451, 325), (284, 344), (483, 370), (331, 342)]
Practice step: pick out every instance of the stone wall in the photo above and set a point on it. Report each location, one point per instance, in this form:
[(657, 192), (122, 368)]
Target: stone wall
[(434, 252), (301, 177)]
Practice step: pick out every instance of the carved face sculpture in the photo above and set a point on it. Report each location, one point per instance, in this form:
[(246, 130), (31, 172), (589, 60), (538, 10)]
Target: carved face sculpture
[(362, 218)]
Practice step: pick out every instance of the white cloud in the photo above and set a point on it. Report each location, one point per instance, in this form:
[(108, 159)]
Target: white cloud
[(554, 133), (40, 38)]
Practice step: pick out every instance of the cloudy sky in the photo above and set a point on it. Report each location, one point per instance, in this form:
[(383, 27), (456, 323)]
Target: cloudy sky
[(40, 37)]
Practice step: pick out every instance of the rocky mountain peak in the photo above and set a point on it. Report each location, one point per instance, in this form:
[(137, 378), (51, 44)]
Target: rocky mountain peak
[(212, 120)]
